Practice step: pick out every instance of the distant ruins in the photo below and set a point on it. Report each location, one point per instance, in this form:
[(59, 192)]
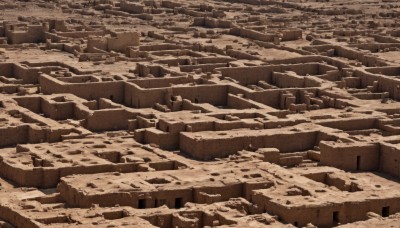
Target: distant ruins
[(208, 113)]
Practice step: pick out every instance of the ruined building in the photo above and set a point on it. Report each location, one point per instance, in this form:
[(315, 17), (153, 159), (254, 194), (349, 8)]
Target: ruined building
[(208, 113)]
